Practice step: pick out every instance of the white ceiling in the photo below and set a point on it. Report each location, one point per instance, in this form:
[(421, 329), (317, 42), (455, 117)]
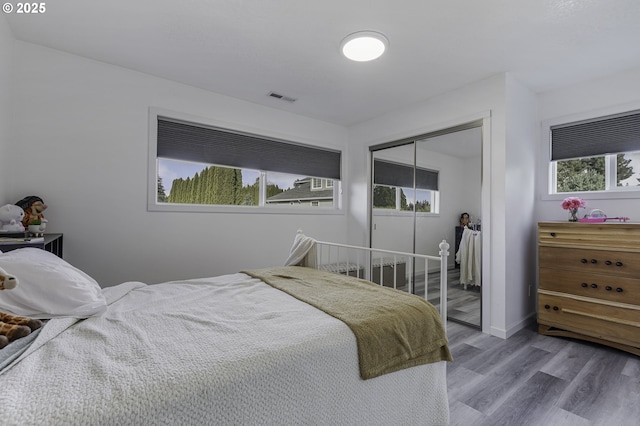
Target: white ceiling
[(248, 48)]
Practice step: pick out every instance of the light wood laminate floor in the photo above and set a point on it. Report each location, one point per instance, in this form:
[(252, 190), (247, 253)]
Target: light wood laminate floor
[(532, 379)]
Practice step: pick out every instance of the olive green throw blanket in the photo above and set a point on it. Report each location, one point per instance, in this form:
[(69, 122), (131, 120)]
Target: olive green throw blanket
[(394, 330)]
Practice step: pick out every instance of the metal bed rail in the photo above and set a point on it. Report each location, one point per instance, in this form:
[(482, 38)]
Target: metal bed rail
[(382, 266)]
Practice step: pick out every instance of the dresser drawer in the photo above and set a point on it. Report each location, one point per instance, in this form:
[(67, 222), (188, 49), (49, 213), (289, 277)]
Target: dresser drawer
[(607, 236), (613, 322), (618, 263), (605, 287)]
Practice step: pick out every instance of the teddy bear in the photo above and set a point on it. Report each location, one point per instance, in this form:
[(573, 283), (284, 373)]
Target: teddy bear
[(33, 207), (11, 218), (13, 327)]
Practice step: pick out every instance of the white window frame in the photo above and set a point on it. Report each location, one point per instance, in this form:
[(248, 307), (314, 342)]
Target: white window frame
[(262, 208), (548, 168)]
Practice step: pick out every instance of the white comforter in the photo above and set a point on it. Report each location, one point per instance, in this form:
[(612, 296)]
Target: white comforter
[(229, 350)]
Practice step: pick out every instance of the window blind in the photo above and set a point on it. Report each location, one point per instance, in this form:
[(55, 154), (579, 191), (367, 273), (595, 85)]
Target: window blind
[(398, 174), (607, 135), (181, 140)]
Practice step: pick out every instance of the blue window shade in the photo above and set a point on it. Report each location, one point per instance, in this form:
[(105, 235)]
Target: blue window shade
[(401, 175), (607, 135), (180, 140)]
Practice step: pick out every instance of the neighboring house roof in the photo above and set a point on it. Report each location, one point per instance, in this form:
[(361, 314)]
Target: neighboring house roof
[(301, 191)]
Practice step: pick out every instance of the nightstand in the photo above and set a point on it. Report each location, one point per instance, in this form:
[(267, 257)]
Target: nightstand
[(52, 243)]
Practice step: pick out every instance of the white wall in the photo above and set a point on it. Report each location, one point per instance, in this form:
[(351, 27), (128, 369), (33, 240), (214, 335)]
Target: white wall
[(6, 44), (469, 195), (466, 104), (81, 126), (609, 95), (519, 179)]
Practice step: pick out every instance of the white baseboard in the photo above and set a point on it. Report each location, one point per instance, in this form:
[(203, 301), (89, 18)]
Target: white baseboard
[(513, 329)]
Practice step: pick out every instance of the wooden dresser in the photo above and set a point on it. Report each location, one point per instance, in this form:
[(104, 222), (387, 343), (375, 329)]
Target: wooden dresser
[(589, 282)]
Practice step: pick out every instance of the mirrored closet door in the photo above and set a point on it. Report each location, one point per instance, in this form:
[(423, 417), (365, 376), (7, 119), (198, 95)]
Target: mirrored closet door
[(426, 189)]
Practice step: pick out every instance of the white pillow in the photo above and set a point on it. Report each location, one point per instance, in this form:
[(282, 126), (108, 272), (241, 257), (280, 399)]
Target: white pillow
[(48, 287)]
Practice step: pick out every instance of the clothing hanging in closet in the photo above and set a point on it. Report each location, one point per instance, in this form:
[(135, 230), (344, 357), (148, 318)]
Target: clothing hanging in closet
[(469, 256)]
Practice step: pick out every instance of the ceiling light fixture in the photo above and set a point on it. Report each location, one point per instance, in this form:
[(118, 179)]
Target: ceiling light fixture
[(364, 46)]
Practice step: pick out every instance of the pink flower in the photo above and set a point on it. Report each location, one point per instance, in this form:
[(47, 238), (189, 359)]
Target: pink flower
[(573, 203)]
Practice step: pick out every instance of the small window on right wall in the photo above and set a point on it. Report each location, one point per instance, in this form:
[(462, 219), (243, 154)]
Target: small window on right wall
[(597, 155)]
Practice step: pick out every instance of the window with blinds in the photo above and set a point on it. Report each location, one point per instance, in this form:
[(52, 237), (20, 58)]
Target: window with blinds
[(595, 155), (399, 186), (201, 165)]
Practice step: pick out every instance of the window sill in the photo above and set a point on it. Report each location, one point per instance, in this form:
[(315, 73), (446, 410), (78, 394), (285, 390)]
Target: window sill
[(198, 208), (624, 194)]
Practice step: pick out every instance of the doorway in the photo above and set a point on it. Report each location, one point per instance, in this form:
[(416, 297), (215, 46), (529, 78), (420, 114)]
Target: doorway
[(420, 188)]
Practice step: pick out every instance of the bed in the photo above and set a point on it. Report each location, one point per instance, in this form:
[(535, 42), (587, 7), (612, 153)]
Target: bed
[(226, 350)]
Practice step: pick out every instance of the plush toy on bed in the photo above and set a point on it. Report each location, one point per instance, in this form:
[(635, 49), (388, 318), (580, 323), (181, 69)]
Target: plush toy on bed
[(11, 218), (13, 327)]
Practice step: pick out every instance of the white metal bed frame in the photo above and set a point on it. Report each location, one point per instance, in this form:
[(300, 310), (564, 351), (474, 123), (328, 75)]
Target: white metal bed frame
[(350, 259)]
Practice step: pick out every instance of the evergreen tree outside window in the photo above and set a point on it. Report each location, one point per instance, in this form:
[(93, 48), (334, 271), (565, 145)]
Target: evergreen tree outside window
[(422, 202), (162, 195), (590, 174), (209, 185)]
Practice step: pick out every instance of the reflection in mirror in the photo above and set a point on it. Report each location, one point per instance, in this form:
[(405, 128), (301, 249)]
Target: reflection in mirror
[(458, 158)]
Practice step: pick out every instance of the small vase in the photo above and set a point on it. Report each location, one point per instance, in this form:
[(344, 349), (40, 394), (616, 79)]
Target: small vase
[(573, 215)]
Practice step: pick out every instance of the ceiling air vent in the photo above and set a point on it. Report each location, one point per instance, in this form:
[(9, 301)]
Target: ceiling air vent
[(282, 97)]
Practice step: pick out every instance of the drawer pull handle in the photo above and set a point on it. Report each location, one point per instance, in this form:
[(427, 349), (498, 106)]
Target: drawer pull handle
[(619, 290), (609, 288), (555, 308), (594, 261), (585, 285), (547, 306), (594, 285), (618, 263), (553, 234), (608, 262), (583, 260)]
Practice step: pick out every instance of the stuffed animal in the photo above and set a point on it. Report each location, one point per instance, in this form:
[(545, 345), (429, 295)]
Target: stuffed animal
[(11, 218), (13, 327), (33, 207)]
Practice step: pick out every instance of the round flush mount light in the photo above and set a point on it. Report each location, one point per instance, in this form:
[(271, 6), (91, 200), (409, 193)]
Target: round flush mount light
[(364, 46)]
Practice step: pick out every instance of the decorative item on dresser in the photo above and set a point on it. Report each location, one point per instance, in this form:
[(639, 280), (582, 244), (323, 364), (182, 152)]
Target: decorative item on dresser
[(573, 204), (589, 282)]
